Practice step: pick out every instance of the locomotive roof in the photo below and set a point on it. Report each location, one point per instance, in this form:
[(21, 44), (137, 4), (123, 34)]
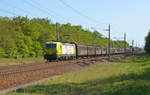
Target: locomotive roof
[(60, 42)]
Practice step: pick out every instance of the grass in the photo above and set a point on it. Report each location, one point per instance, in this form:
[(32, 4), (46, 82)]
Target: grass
[(11, 61), (130, 76)]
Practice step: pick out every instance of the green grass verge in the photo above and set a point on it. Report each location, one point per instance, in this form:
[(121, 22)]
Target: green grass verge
[(130, 76), (11, 61)]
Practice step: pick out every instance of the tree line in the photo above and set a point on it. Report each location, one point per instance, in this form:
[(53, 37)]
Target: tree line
[(23, 37)]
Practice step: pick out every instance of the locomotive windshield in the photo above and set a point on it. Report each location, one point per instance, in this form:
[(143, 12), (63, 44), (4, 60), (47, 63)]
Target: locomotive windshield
[(50, 46)]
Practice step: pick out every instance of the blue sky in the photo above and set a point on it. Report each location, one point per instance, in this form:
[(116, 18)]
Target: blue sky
[(130, 16)]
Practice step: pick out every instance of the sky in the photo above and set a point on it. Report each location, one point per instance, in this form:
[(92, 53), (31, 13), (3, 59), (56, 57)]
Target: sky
[(124, 16)]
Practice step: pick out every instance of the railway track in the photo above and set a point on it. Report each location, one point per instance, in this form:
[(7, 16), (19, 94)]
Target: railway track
[(6, 73), (33, 67), (22, 74)]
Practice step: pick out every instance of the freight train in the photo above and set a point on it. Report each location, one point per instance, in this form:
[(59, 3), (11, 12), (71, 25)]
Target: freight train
[(65, 50)]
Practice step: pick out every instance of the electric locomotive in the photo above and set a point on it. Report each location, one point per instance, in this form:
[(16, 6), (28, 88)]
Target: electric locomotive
[(59, 50)]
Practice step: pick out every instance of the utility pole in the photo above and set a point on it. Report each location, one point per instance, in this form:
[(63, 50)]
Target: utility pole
[(132, 47), (124, 42), (57, 31), (109, 43)]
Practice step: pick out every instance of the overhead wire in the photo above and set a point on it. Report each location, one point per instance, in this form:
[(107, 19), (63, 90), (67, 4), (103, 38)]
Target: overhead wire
[(112, 36), (8, 12), (95, 29), (47, 9), (32, 4), (80, 13), (17, 8), (116, 38), (36, 7)]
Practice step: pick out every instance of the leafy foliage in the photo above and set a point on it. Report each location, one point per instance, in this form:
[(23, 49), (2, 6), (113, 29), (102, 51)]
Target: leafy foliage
[(23, 37)]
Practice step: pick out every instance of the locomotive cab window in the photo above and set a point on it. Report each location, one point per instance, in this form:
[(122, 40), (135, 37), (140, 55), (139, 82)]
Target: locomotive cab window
[(50, 46)]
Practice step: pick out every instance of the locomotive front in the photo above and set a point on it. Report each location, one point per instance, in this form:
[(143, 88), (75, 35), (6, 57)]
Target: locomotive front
[(50, 51)]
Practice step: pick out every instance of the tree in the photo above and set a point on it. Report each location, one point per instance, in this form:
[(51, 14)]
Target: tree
[(38, 49), (147, 43)]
